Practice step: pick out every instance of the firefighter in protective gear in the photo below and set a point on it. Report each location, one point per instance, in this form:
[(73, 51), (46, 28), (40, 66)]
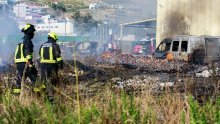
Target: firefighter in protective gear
[(51, 61), (23, 58)]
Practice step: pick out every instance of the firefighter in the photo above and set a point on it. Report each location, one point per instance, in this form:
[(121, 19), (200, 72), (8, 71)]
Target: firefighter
[(51, 61), (23, 58)]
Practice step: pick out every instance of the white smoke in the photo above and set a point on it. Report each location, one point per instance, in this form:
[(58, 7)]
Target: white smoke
[(8, 28)]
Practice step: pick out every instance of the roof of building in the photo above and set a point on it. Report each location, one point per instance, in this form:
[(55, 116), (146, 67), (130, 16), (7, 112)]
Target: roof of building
[(148, 23)]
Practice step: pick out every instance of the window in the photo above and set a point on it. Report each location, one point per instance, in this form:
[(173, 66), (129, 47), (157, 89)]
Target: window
[(167, 48), (42, 27), (56, 26), (175, 45), (83, 46), (184, 46), (51, 26), (47, 27), (164, 47)]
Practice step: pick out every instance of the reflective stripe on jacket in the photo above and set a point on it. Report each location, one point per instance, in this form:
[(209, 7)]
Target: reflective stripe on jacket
[(19, 53), (48, 53)]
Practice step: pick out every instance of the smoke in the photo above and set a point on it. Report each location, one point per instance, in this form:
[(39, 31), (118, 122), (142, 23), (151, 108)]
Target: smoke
[(8, 25), (193, 17), (8, 29), (177, 24), (176, 20), (127, 10)]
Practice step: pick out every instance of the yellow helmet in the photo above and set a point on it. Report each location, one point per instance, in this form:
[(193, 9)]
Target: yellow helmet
[(29, 26), (53, 35)]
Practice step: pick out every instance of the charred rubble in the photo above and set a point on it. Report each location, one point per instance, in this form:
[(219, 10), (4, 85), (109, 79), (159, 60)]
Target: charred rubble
[(138, 74)]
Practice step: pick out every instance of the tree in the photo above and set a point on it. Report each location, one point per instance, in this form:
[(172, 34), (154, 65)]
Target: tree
[(59, 7), (84, 23)]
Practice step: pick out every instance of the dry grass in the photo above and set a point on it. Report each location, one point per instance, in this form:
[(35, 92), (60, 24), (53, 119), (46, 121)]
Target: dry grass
[(104, 107)]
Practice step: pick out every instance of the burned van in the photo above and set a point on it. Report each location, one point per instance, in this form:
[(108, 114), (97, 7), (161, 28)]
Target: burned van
[(87, 48), (162, 49), (196, 49)]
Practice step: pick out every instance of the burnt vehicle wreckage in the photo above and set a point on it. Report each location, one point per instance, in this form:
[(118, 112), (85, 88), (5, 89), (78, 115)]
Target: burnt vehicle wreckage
[(195, 49)]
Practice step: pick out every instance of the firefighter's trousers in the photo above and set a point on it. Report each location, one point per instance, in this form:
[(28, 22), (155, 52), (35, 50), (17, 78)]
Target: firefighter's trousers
[(49, 77), (30, 72)]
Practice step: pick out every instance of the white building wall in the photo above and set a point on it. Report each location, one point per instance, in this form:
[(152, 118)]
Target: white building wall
[(20, 10), (59, 28)]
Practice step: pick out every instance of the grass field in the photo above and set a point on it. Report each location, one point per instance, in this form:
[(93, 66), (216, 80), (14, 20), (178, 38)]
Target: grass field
[(107, 107)]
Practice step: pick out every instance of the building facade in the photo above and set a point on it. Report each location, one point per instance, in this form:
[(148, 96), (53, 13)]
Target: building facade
[(61, 28), (22, 10), (187, 17)]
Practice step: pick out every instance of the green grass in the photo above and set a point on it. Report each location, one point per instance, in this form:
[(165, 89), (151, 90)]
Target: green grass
[(208, 113), (111, 107)]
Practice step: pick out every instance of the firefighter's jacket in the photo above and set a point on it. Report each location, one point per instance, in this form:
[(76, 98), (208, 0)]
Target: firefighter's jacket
[(19, 54), (28, 47), (50, 53)]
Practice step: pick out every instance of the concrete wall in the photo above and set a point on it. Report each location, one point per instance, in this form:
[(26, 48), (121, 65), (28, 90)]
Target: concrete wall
[(194, 17)]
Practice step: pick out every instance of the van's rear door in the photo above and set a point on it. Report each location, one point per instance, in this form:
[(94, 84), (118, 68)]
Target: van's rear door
[(212, 49)]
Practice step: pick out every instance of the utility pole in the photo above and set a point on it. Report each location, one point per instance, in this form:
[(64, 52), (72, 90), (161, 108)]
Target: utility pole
[(121, 35), (65, 27), (49, 24)]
